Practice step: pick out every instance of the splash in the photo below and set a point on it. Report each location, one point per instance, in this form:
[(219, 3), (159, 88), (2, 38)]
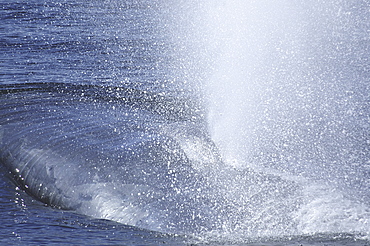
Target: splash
[(278, 147), (286, 93)]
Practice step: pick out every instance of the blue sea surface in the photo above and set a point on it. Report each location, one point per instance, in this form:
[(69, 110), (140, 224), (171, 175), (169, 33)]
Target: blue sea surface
[(137, 56)]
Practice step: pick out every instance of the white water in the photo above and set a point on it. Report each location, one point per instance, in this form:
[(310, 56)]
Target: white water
[(285, 90), (286, 87)]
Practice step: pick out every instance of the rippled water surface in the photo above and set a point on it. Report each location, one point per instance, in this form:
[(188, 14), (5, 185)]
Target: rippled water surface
[(184, 122)]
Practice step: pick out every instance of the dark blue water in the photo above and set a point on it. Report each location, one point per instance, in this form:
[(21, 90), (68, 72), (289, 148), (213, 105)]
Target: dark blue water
[(236, 127)]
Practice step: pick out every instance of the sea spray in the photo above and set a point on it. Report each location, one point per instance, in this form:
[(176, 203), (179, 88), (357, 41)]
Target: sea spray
[(225, 120), (286, 95)]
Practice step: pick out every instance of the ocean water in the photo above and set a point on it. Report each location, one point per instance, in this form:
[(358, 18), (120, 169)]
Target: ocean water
[(184, 122)]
